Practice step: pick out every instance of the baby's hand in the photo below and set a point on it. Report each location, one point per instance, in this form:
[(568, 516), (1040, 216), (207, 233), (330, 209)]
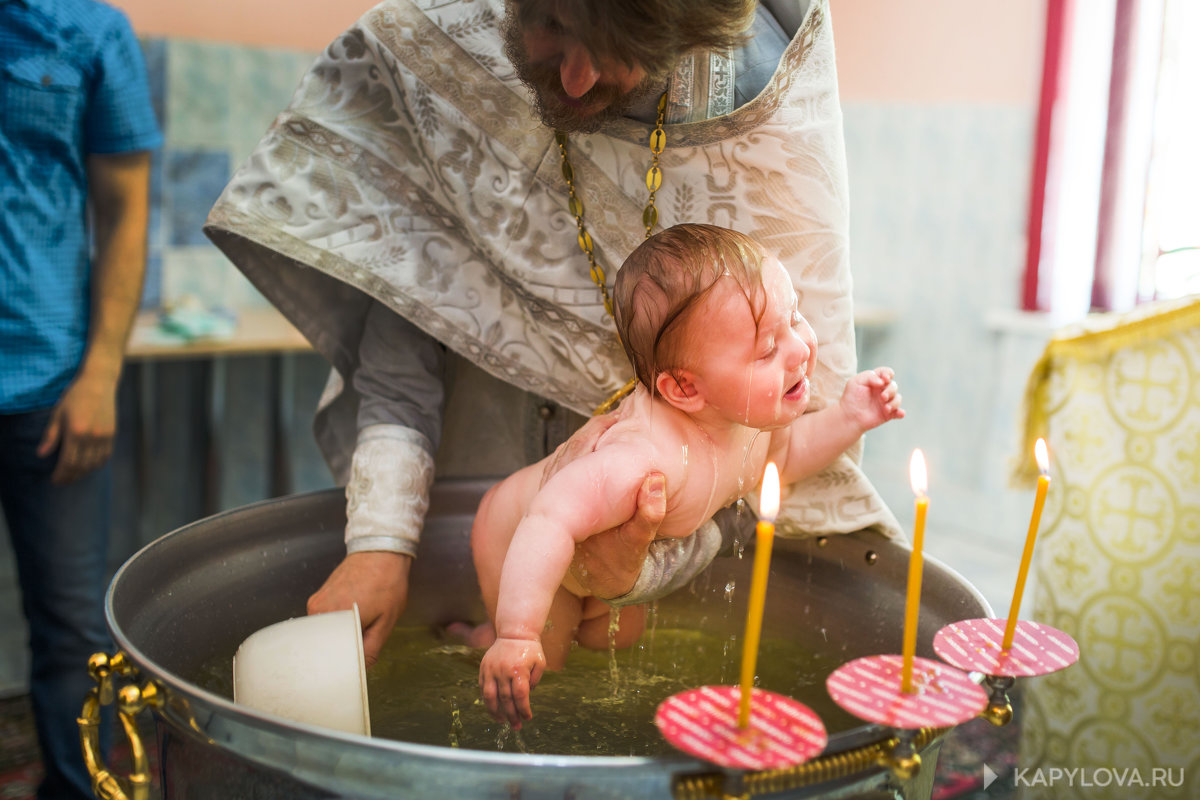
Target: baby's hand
[(872, 398), (509, 670)]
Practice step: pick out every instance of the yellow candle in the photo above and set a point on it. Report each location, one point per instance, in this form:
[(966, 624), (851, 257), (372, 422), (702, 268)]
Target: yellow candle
[(768, 509), (1039, 500), (912, 603)]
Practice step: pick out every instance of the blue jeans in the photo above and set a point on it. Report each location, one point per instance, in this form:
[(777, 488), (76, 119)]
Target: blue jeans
[(60, 537)]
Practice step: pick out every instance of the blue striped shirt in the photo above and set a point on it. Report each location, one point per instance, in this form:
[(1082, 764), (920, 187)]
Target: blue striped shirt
[(72, 83)]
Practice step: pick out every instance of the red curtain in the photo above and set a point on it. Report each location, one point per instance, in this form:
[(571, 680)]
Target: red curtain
[(1058, 15), (1136, 50)]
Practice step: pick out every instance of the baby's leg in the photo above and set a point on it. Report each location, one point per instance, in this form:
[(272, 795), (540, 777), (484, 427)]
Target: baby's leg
[(563, 622), (495, 523), (593, 628), (491, 533)]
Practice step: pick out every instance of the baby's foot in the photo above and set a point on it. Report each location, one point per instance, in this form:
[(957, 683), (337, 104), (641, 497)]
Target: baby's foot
[(471, 635)]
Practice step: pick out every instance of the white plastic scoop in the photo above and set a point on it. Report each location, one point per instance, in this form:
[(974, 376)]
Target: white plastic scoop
[(307, 669)]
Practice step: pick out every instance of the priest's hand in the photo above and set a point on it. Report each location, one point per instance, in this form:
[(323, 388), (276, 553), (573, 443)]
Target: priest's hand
[(608, 564), (378, 582)]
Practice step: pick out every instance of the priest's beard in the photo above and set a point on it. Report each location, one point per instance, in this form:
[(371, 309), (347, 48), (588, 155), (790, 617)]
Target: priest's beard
[(587, 114)]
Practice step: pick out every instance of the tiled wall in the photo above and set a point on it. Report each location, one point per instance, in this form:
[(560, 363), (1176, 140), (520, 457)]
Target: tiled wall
[(938, 202), (215, 102), (938, 199)]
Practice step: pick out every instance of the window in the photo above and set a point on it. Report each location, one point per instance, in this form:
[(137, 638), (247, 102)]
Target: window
[(1115, 197), (1171, 238)]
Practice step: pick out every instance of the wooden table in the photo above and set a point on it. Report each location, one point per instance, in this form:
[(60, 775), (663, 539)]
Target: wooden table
[(259, 331)]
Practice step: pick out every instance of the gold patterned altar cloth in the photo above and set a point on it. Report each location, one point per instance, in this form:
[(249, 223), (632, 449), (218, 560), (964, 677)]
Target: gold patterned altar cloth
[(1117, 563)]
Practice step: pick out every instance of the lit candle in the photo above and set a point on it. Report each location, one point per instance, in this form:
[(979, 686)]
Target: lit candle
[(767, 510), (1039, 500), (917, 476)]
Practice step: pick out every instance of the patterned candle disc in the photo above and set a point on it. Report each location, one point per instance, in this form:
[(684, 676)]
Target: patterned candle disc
[(975, 644), (703, 722), (869, 688)]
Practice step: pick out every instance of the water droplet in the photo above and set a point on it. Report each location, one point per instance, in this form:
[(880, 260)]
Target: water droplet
[(729, 587), (456, 726), (614, 624)]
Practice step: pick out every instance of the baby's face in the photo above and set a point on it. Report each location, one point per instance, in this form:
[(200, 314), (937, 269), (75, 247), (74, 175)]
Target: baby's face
[(755, 375)]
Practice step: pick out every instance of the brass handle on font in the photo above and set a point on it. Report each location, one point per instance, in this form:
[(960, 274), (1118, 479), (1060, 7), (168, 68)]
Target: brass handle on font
[(130, 700)]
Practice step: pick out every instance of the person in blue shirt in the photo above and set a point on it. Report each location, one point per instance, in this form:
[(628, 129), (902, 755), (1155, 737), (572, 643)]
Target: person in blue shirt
[(76, 128)]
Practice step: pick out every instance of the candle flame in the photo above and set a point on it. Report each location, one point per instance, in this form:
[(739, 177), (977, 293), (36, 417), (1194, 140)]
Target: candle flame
[(768, 506), (916, 473), (1042, 456)]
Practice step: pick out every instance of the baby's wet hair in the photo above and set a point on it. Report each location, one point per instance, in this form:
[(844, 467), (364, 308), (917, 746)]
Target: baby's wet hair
[(663, 281)]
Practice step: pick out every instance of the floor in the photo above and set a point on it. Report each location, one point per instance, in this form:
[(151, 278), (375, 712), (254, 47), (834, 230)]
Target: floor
[(978, 759), (19, 765)]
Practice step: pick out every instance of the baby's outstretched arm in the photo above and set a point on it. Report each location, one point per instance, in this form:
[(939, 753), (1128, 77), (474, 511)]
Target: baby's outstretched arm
[(815, 440), (872, 398), (592, 494)]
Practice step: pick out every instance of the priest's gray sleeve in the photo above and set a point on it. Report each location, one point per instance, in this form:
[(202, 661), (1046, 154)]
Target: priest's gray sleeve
[(400, 383)]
